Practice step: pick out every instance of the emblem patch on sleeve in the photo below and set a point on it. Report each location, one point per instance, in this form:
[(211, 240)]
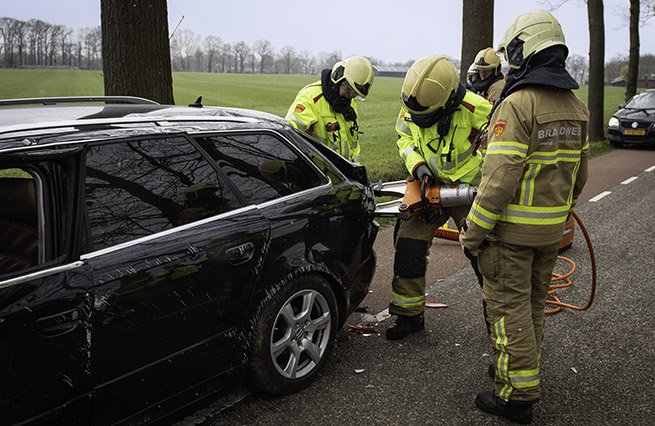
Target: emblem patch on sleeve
[(499, 128), (299, 108)]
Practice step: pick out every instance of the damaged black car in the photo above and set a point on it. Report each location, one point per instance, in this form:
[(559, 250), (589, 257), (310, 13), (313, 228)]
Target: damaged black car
[(153, 255), (634, 123)]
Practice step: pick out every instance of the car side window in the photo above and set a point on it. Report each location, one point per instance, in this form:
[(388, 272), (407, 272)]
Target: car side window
[(262, 166), (20, 242), (137, 188)]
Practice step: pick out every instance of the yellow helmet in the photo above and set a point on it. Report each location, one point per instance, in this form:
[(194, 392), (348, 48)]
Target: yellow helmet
[(357, 71), (530, 33), (429, 84), (486, 59)]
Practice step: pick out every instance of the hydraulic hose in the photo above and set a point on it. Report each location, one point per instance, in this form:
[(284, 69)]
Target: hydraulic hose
[(452, 234)]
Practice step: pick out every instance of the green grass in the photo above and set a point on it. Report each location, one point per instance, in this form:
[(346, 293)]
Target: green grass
[(270, 93)]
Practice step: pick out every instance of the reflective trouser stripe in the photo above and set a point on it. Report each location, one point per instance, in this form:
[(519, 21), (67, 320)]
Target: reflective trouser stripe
[(522, 379), (405, 301), (502, 363)]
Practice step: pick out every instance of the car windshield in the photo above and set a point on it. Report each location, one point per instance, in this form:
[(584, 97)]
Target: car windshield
[(642, 100)]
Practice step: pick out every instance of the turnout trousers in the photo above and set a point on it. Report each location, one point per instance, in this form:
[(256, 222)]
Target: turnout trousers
[(516, 283), (413, 239)]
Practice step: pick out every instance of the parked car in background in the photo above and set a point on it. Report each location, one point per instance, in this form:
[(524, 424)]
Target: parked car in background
[(152, 255), (632, 124)]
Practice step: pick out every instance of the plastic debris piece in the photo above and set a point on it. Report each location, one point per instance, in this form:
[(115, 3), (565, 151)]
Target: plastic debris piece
[(366, 334), (440, 280), (369, 386), (457, 344), (368, 319), (574, 370), (359, 370), (370, 291), (435, 305), (361, 327), (485, 354)]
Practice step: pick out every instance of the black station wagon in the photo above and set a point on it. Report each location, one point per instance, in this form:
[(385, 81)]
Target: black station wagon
[(152, 255)]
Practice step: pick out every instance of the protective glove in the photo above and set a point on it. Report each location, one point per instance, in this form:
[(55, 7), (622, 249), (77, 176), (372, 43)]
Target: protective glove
[(423, 171)]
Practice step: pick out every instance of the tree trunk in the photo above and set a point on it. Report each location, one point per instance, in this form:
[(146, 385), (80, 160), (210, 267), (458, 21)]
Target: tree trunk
[(596, 69), (135, 48), (633, 60), (477, 31)]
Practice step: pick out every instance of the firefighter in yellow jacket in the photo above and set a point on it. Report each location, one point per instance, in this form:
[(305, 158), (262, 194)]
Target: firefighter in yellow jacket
[(327, 108), (535, 167), (437, 126), (491, 79)]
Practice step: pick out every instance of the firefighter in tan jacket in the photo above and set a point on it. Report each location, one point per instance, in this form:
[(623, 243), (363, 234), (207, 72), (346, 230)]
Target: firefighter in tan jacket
[(535, 167), (491, 80)]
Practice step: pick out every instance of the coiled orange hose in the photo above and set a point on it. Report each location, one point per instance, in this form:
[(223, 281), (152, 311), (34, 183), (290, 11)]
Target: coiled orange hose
[(453, 234)]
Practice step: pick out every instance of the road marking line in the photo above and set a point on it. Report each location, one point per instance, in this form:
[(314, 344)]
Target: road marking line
[(599, 196), (627, 181), (650, 169)]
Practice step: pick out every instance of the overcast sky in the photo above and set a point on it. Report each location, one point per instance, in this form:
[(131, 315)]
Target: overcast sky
[(388, 30)]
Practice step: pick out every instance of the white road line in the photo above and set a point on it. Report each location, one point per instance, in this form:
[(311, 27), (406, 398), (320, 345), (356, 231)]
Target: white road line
[(599, 196), (627, 181), (650, 169)]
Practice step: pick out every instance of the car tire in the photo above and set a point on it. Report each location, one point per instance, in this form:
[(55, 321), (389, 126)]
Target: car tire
[(294, 336)]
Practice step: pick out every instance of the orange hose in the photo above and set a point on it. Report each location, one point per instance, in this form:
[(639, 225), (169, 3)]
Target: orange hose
[(556, 277), (453, 234)]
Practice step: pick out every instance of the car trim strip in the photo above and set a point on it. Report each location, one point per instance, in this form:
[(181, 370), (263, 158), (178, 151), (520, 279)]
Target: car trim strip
[(40, 274)]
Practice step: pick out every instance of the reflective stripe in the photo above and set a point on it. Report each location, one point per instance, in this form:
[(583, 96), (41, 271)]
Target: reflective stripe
[(522, 379), (408, 151), (555, 156), (482, 217), (404, 301), (527, 188), (355, 159), (502, 364), (574, 177), (532, 215), (508, 148), (293, 117), (346, 149), (403, 127)]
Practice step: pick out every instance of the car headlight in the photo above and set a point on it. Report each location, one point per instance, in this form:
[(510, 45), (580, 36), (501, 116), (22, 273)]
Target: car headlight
[(614, 122)]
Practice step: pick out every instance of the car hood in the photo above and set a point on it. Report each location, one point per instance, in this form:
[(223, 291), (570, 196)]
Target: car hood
[(636, 114)]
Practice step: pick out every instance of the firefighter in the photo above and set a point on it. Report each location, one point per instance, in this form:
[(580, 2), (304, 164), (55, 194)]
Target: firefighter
[(491, 80), (472, 75), (327, 108), (438, 122), (535, 167)]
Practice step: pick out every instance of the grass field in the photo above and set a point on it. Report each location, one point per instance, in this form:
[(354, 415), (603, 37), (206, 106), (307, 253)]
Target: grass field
[(270, 93)]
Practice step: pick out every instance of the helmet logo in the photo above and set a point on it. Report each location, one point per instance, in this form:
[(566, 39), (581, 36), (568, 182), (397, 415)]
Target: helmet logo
[(499, 128)]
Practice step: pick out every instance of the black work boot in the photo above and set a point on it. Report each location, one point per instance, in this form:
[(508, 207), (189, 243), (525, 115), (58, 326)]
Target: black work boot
[(516, 411), (405, 325)]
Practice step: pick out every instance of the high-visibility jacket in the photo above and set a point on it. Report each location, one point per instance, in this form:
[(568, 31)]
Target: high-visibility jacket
[(312, 113), (535, 167), (452, 158)]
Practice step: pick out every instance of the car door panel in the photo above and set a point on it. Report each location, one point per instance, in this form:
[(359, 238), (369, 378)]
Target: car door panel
[(45, 373), (167, 309)]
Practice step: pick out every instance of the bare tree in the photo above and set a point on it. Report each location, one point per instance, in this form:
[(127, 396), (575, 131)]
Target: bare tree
[(477, 31), (226, 55), (288, 56), (633, 57), (596, 98), (577, 65), (136, 51), (241, 51), (264, 50), (212, 44)]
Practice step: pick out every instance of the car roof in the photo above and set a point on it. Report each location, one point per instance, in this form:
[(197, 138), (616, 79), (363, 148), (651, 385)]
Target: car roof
[(21, 118)]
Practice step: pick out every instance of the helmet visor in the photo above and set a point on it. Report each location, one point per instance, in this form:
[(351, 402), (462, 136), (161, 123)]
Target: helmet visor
[(412, 103)]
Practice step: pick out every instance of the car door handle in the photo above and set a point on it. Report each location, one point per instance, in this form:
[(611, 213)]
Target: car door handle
[(240, 254), (61, 323)]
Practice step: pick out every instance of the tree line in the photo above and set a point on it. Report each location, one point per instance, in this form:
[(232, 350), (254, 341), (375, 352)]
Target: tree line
[(36, 43)]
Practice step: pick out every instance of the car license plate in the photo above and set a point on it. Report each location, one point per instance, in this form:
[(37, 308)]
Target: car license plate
[(634, 132)]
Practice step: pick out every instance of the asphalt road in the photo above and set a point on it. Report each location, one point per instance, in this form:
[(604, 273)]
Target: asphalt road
[(597, 364)]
